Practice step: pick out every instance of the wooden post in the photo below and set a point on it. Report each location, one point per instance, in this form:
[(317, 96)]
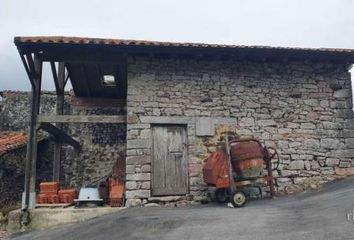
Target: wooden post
[(59, 80), (31, 157)]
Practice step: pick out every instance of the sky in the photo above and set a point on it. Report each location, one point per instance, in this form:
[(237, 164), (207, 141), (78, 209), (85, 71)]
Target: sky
[(288, 23)]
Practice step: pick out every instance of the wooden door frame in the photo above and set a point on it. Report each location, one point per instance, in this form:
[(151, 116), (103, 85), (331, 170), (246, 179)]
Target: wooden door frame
[(185, 126)]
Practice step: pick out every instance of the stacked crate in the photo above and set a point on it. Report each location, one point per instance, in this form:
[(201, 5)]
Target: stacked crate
[(50, 194)]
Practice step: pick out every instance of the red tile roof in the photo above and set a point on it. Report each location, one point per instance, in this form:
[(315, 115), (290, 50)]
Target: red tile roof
[(125, 42), (11, 140)]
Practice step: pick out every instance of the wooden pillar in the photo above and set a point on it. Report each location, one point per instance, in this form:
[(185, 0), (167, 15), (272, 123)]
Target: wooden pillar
[(35, 66), (59, 79)]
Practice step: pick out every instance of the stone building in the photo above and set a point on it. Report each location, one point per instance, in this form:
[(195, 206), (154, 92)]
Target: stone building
[(177, 99), (12, 155)]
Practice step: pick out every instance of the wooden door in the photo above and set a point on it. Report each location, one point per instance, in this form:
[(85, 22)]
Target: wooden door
[(169, 165)]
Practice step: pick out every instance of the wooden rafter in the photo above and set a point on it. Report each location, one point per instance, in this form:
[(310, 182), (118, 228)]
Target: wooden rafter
[(29, 74), (59, 134), (55, 75)]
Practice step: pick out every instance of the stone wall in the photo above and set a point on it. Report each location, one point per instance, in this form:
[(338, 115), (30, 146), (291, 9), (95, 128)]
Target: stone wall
[(303, 109), (15, 108), (102, 144), (12, 171)]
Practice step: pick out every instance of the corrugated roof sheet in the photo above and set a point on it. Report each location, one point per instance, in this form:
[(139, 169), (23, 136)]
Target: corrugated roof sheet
[(125, 42), (11, 140)]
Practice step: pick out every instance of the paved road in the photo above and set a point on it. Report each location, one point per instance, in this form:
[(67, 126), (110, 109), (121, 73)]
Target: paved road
[(313, 215)]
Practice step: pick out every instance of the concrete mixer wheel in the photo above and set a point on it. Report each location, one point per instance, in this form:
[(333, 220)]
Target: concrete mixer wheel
[(238, 199), (221, 195)]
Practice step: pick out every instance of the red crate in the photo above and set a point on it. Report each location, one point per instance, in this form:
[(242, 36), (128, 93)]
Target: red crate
[(42, 198), (54, 198), (67, 195), (116, 194), (49, 187)]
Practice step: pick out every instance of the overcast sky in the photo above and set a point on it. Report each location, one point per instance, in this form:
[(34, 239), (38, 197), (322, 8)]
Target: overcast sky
[(301, 23)]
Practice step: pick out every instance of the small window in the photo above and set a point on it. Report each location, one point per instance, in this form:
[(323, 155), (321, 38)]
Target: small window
[(109, 80)]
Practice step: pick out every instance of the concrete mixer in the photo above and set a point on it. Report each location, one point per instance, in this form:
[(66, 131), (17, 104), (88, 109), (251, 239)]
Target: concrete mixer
[(238, 166)]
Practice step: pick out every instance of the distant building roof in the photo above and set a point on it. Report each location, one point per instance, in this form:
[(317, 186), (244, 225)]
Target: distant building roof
[(11, 140)]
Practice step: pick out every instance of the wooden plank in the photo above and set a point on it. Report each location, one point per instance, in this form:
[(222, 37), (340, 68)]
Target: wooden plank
[(82, 118), (59, 135), (159, 161), (177, 175)]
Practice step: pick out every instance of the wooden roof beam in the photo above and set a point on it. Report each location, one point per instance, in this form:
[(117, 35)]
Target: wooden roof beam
[(59, 134)]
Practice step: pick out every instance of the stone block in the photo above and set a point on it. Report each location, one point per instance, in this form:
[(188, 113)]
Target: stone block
[(138, 143), (344, 153), (267, 123), (138, 126), (347, 133), (315, 165), (196, 181), (137, 194), (345, 164), (292, 125), (307, 126), (138, 177), (145, 134), (330, 143), (152, 205), (312, 144), (131, 185), (205, 127), (344, 113), (324, 103), (166, 199), (311, 102), (195, 170), (146, 168), (130, 169), (349, 143), (300, 180), (145, 185), (288, 173), (133, 203), (291, 189), (246, 121), (344, 171), (296, 165), (250, 104), (342, 93), (349, 124), (141, 159), (332, 162), (284, 131), (331, 125)]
